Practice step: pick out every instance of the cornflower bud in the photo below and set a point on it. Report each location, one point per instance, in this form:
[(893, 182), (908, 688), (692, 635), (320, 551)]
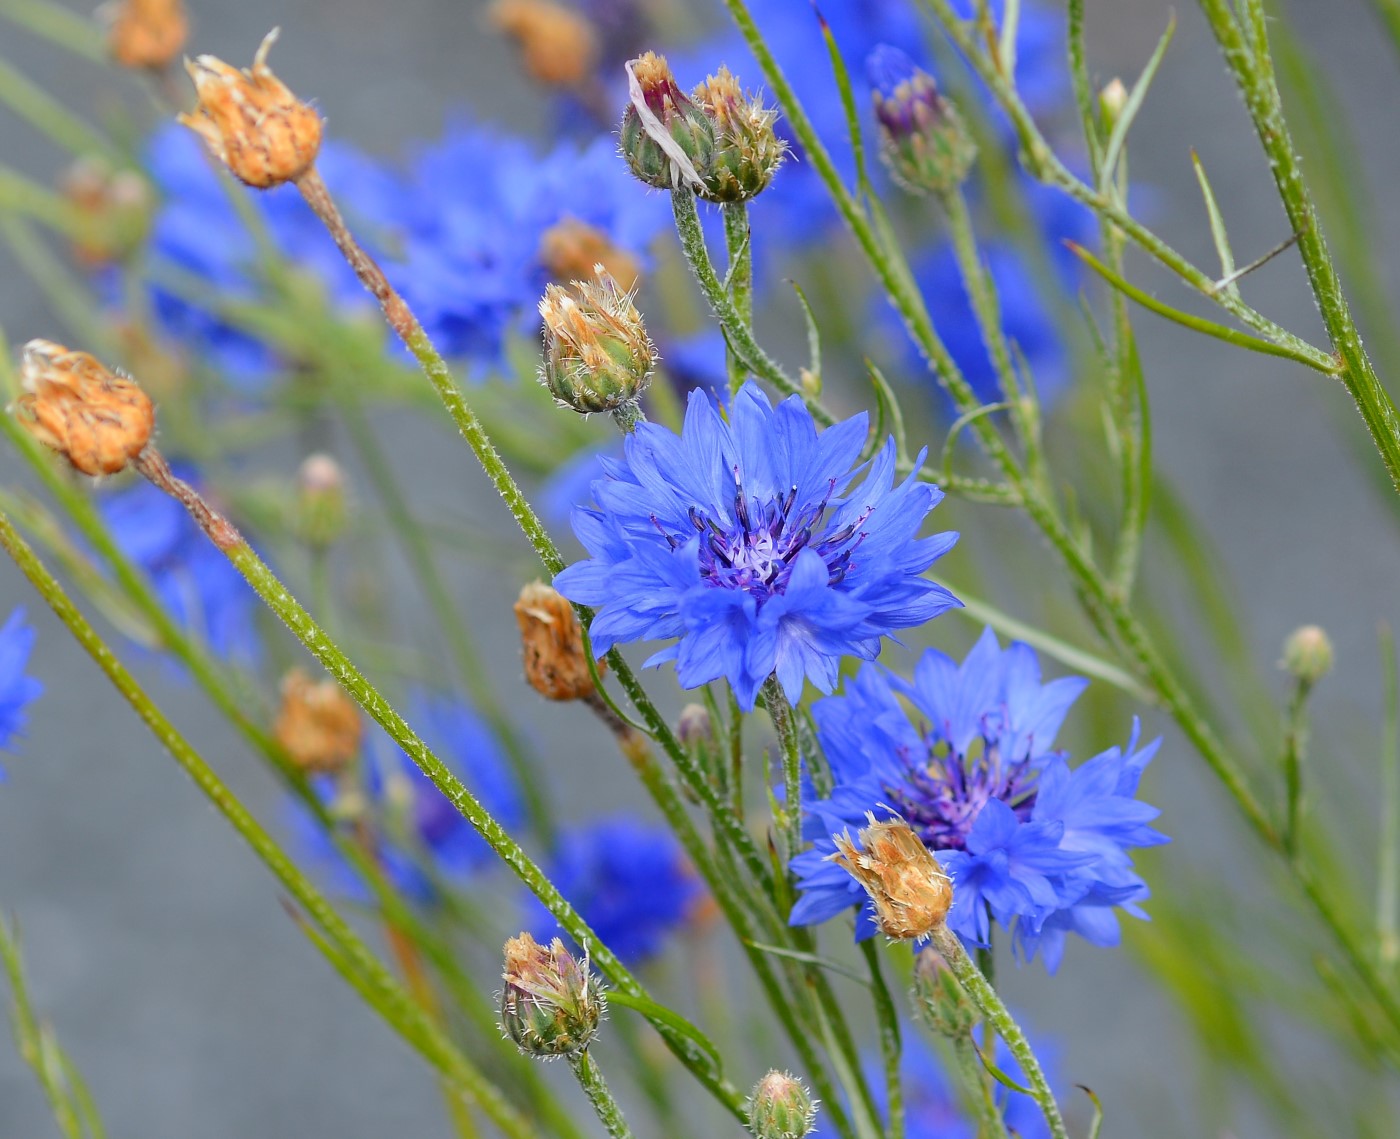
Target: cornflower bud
[(747, 149), (1307, 654), (115, 208), (318, 725), (146, 33), (1112, 99), (597, 355), (667, 140), (99, 421), (910, 891), (694, 726), (552, 1003), (940, 1001), (559, 47), (922, 138), (252, 122), (321, 505), (571, 249), (555, 663), (780, 1108)]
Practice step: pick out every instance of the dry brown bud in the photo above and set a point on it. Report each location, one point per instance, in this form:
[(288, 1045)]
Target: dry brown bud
[(252, 122), (555, 664), (911, 893), (114, 206), (98, 420), (318, 725), (572, 250), (146, 33), (559, 47)]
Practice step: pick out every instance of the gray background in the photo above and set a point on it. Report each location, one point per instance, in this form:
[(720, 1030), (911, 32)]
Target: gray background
[(156, 942)]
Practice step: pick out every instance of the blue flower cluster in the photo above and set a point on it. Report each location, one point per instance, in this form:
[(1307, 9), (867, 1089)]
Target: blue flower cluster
[(744, 541), (17, 688), (1030, 843), (629, 880)]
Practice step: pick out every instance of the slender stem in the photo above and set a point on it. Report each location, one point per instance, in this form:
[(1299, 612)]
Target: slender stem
[(976, 1083), (51, 118), (890, 1045), (402, 1012), (1295, 745), (1388, 875), (790, 823), (986, 999), (590, 1078), (737, 239), (1389, 12)]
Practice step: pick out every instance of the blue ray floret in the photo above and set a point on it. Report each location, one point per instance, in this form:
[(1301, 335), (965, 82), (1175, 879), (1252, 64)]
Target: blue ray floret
[(1030, 843), (17, 689), (745, 542)]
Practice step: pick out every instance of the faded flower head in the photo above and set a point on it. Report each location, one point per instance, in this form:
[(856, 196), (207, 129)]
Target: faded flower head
[(552, 1003), (781, 1108), (555, 664), (318, 725), (745, 541), (252, 122), (922, 138), (667, 139), (597, 355), (748, 150), (910, 892), (558, 45), (571, 250), (98, 420), (146, 33)]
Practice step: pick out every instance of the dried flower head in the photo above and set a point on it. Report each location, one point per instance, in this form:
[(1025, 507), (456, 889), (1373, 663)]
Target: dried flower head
[(667, 139), (571, 249), (781, 1108), (910, 891), (252, 122), (555, 664), (597, 355), (318, 725), (558, 46), (96, 419), (552, 1003), (748, 150), (146, 33)]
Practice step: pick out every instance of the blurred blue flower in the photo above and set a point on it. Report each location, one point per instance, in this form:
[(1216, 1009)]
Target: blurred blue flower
[(17, 689), (1029, 842), (745, 541), (1042, 61), (629, 880), (196, 583)]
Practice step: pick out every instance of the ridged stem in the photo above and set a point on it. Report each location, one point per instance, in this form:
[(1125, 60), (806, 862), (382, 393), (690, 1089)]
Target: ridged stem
[(590, 1079)]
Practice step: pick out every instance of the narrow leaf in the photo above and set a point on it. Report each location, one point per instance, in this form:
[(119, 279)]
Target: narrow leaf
[(659, 1015), (1119, 137), (1097, 1124), (810, 959), (1388, 877), (1217, 230)]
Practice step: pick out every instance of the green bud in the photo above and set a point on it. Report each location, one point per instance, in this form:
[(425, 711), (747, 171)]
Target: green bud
[(597, 355), (551, 1004), (748, 150), (1112, 101), (780, 1108), (923, 141), (667, 140), (1307, 654), (940, 1001), (321, 510)]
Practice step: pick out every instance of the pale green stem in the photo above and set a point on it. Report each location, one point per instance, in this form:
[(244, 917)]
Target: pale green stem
[(790, 823), (890, 1046), (51, 118), (977, 1085), (737, 244), (590, 1078), (1295, 746), (1388, 875)]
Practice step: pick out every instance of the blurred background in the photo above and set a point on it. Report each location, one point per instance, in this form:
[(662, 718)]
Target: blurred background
[(156, 942)]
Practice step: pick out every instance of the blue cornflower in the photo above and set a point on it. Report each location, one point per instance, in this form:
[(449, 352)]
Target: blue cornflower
[(745, 541), (17, 689), (197, 584), (1030, 843), (420, 837), (630, 882)]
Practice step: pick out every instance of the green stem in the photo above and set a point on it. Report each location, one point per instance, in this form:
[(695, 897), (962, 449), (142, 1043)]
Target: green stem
[(52, 119), (890, 1046), (1295, 744), (1388, 874), (972, 1074), (590, 1078), (737, 242), (986, 999), (789, 824), (383, 991)]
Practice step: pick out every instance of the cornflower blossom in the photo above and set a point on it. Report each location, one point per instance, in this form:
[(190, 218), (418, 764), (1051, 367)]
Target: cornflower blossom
[(1038, 847), (420, 839), (197, 584), (745, 541), (17, 689), (629, 880)]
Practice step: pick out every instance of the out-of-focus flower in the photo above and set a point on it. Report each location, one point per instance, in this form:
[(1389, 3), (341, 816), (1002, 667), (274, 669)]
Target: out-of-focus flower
[(146, 33), (17, 689), (745, 541), (922, 138), (1030, 843), (318, 725), (629, 880), (558, 45), (571, 250), (555, 663), (115, 206)]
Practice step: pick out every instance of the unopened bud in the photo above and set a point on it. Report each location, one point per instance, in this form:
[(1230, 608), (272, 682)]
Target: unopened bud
[(552, 1003), (748, 150), (114, 207), (555, 663), (558, 46), (940, 1001), (571, 249), (667, 139), (922, 138), (1307, 654), (318, 725), (146, 33), (780, 1108), (98, 420), (252, 122), (597, 355), (910, 891), (321, 502), (1112, 99), (694, 727)]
